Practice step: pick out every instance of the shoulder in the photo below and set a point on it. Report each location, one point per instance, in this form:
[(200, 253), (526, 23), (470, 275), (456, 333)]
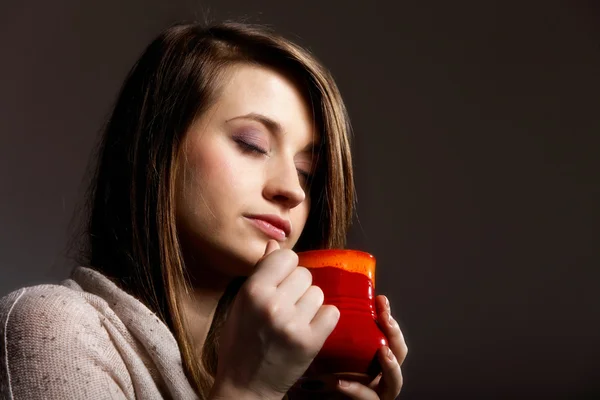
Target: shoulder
[(53, 340), (42, 308)]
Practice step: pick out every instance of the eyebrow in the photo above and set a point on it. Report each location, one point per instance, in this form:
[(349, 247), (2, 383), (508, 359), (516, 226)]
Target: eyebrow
[(275, 127)]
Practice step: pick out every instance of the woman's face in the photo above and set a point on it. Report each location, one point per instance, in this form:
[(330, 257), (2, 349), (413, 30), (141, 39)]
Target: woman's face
[(243, 172)]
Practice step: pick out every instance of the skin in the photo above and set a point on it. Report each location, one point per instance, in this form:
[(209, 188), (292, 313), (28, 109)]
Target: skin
[(250, 154)]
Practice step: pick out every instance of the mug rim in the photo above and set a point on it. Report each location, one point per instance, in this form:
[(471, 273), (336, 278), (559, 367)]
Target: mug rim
[(347, 259), (338, 252)]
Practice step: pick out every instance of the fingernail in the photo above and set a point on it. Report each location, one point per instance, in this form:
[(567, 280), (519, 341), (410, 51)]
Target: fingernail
[(390, 355), (387, 303), (390, 320), (343, 383)]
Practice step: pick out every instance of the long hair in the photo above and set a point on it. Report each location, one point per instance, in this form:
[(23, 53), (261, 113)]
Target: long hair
[(131, 231)]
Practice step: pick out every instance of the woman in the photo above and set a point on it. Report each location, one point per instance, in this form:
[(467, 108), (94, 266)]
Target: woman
[(227, 148)]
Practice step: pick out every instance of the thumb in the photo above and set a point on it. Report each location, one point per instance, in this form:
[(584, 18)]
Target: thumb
[(272, 245)]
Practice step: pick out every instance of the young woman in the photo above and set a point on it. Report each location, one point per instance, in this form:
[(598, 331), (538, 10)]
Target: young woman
[(227, 151)]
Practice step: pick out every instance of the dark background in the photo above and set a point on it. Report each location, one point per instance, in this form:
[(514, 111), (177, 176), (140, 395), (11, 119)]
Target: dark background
[(476, 146)]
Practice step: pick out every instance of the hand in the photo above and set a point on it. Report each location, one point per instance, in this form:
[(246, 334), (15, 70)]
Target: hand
[(275, 328), (387, 385)]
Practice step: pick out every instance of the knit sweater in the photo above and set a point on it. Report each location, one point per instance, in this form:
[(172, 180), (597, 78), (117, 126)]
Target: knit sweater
[(86, 339)]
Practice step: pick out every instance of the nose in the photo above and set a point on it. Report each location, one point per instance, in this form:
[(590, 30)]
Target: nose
[(283, 185)]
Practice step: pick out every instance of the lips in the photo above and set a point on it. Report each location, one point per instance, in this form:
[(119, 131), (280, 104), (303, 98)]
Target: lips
[(272, 225)]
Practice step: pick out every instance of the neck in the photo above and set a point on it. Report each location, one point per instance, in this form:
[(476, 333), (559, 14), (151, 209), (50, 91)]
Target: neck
[(200, 305)]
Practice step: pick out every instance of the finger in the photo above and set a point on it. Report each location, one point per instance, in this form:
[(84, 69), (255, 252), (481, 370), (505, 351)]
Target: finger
[(382, 304), (274, 268), (355, 390), (272, 245), (325, 321), (391, 329), (294, 286), (309, 304), (375, 382), (391, 374)]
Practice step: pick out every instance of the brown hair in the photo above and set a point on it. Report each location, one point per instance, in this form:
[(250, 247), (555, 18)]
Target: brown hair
[(131, 229)]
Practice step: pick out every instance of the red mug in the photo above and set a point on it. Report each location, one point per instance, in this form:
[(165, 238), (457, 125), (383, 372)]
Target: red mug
[(347, 278)]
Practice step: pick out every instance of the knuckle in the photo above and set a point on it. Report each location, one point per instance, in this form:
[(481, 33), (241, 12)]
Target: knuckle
[(290, 332), (333, 311), (331, 316), (317, 293), (293, 257), (252, 289), (289, 256), (404, 351), (295, 338), (271, 310), (305, 274)]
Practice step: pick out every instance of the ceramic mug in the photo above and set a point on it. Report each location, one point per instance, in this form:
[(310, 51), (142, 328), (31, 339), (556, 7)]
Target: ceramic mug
[(347, 278)]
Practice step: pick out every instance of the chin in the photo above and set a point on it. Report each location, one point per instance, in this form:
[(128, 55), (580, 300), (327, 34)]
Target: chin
[(253, 253), (242, 261)]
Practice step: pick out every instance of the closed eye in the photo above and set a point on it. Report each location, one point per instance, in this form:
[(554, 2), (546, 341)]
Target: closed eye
[(305, 178), (250, 147)]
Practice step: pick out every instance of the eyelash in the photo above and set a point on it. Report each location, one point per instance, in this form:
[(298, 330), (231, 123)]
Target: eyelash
[(307, 177), (251, 148)]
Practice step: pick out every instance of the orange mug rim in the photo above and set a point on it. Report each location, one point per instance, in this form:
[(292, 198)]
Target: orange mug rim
[(338, 256), (338, 251)]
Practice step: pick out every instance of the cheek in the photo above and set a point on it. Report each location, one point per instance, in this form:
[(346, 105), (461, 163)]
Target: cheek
[(202, 168), (299, 215), (220, 182), (207, 163), (211, 170)]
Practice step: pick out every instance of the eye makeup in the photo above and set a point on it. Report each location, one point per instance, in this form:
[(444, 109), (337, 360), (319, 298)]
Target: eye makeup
[(252, 141)]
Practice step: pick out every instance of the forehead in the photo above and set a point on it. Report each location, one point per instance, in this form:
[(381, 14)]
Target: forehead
[(251, 89)]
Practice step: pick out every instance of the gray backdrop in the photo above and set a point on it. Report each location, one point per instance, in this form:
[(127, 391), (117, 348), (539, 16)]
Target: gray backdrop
[(476, 137)]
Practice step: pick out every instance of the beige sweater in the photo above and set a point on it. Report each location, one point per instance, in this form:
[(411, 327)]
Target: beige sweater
[(86, 339)]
